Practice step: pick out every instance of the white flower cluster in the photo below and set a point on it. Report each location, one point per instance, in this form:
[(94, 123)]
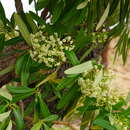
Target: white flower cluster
[(95, 84), (119, 122), (50, 49)]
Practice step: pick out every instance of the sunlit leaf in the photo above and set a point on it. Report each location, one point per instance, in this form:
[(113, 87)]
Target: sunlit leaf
[(9, 127), (3, 116), (80, 68), (104, 17), (4, 93)]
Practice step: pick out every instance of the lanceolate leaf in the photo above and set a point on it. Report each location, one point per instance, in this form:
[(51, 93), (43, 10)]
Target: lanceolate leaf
[(80, 68), (19, 119), (68, 97), (50, 118), (72, 57), (83, 4), (20, 90), (104, 124), (4, 93), (2, 14), (37, 126), (43, 107), (3, 116), (2, 43), (104, 17), (9, 127), (23, 29)]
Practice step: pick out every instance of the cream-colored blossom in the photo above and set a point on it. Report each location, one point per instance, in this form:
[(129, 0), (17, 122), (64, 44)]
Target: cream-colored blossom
[(50, 49), (95, 84)]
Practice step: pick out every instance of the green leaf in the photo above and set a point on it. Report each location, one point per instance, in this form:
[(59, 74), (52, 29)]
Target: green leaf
[(43, 107), (3, 108), (82, 5), (23, 29), (57, 12), (6, 70), (29, 108), (9, 127), (4, 93), (22, 68), (104, 17), (31, 23), (19, 119), (66, 82), (20, 90), (41, 4), (37, 18), (46, 127), (87, 66), (2, 43), (37, 126), (18, 97), (68, 97), (50, 118), (4, 116), (72, 57), (14, 41), (30, 1), (19, 64), (3, 124), (104, 124), (2, 14)]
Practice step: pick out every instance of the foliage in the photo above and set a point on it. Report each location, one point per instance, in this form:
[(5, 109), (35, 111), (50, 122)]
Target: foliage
[(41, 95)]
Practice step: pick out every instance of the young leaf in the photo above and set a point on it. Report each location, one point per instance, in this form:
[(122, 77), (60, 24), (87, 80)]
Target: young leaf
[(23, 29), (3, 116), (9, 127), (19, 119), (4, 93), (87, 66), (104, 17)]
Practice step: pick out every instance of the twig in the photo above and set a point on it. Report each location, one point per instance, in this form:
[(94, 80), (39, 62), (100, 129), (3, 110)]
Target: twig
[(19, 6)]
